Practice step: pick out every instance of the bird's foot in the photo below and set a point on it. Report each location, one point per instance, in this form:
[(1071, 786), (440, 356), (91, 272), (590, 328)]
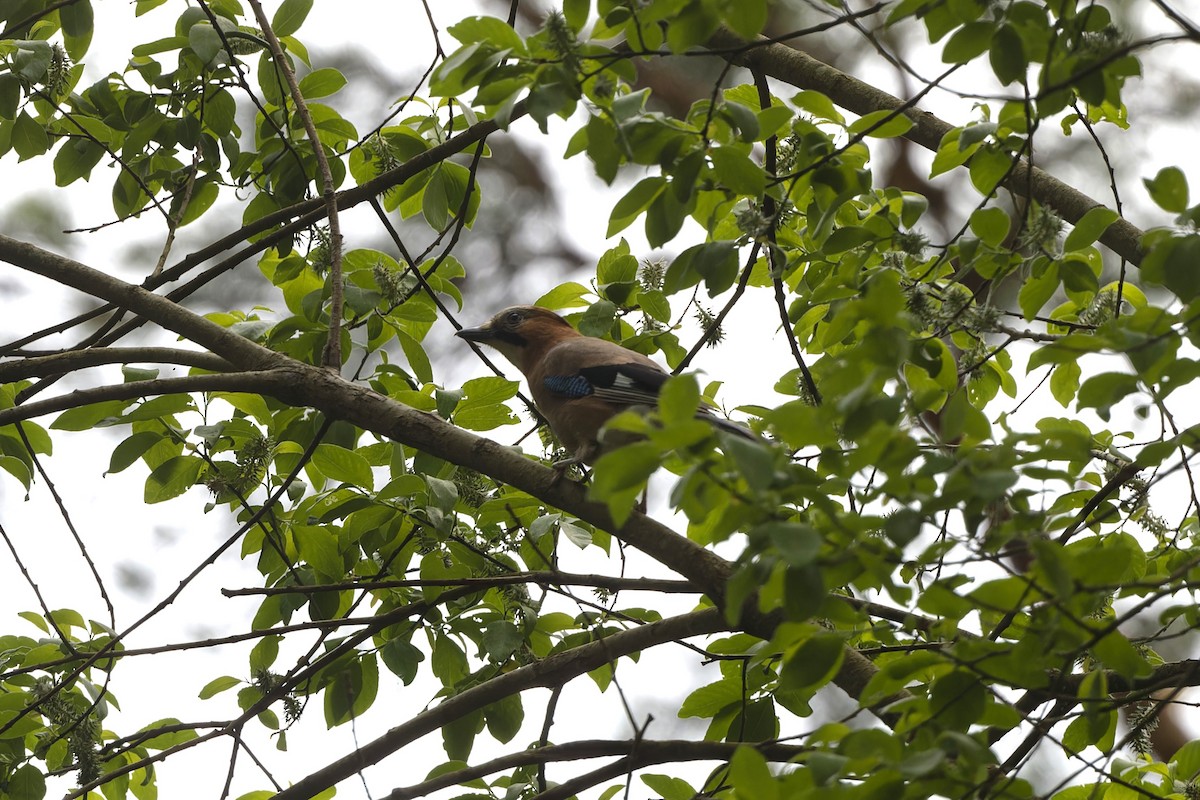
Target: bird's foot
[(565, 468)]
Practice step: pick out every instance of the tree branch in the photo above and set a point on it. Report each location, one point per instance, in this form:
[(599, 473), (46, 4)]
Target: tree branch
[(803, 71), (551, 671), (543, 578), (645, 752), (257, 382), (333, 348), (63, 363)]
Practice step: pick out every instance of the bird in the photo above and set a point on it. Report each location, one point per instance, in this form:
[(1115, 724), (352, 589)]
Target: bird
[(578, 382)]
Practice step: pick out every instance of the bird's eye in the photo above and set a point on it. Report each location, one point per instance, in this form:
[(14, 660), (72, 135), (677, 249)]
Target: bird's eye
[(513, 318)]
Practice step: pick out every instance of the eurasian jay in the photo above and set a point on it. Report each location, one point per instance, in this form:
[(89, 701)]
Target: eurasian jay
[(578, 382)]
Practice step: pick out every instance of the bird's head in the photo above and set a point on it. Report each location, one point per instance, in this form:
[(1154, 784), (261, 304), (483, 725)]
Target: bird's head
[(519, 332)]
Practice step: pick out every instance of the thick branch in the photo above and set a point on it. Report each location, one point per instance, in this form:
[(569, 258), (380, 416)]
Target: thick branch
[(552, 671), (237, 349), (608, 582), (63, 363), (257, 382), (803, 71), (1177, 674), (646, 752)]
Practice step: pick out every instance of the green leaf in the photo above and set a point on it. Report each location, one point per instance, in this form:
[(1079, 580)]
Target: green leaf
[(205, 41), (750, 776), (882, 124), (290, 16), (598, 319), (737, 171), (958, 699), (88, 417), (989, 166), (1187, 760), (1064, 382), (818, 105), (746, 18), (635, 201), (679, 399), (755, 460), (803, 591), (619, 475), (1104, 390), (655, 304), (1089, 228), (26, 783), (318, 547), (1175, 264), (505, 717), (166, 740), (131, 449), (669, 788), (501, 639), (77, 20), (1121, 656), (322, 83), (1036, 291), (814, 662), (991, 225), (352, 691), (346, 466), (496, 32), (693, 25), (172, 478), (967, 42), (709, 700), (482, 407), (218, 685), (263, 654), (798, 543), (10, 95), (418, 359), (576, 13), (1006, 52), (29, 138), (1168, 189), (18, 469), (402, 658), (577, 535), (565, 295), (157, 407), (664, 218)]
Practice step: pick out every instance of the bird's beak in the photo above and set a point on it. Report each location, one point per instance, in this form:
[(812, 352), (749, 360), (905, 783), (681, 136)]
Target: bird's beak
[(482, 334)]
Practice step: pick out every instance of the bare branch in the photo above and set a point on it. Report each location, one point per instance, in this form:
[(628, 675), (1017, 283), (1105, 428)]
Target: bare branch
[(72, 361)]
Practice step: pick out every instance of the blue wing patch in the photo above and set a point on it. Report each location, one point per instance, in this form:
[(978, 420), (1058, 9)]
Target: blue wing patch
[(572, 386)]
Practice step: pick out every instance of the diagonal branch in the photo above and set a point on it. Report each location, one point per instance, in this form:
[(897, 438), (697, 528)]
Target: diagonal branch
[(643, 751), (802, 70), (552, 671)]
